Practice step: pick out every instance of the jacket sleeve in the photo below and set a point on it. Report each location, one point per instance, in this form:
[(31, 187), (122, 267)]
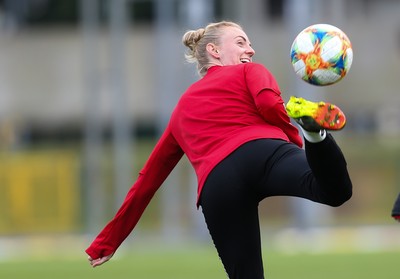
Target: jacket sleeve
[(266, 93), (272, 109), (159, 165)]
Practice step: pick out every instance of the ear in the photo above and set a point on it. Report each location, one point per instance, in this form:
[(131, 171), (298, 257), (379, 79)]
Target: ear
[(213, 50)]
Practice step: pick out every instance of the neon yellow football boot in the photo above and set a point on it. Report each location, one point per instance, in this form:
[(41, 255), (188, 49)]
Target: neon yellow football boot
[(313, 116)]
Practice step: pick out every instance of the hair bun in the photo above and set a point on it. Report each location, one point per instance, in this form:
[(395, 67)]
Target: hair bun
[(191, 38)]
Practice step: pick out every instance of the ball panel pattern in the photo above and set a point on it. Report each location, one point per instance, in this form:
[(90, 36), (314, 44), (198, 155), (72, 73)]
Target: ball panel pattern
[(321, 54)]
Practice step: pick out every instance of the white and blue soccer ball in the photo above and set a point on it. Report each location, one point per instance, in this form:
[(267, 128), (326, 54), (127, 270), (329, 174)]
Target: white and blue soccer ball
[(321, 54)]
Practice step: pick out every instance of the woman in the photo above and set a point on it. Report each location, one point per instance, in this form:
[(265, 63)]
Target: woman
[(233, 127), (396, 209)]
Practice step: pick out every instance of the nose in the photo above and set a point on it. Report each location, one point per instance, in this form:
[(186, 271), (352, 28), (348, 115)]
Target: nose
[(250, 51)]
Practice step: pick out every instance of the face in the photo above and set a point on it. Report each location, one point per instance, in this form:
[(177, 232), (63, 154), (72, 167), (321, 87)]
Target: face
[(234, 48)]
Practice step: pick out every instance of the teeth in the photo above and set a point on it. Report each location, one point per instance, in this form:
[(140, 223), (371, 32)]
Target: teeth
[(245, 60)]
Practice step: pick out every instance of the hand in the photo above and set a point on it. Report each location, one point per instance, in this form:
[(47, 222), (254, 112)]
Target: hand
[(99, 261)]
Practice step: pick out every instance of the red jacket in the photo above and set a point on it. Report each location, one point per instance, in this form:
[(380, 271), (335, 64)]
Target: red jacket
[(229, 106)]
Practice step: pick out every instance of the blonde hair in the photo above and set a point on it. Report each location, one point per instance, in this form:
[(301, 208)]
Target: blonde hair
[(197, 40)]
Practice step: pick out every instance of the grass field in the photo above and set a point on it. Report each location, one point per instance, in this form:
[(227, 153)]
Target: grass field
[(204, 264)]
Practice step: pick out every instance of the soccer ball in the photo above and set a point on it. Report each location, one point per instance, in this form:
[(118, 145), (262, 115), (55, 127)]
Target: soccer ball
[(321, 54)]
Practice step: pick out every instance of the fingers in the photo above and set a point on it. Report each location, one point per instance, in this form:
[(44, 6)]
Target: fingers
[(99, 261)]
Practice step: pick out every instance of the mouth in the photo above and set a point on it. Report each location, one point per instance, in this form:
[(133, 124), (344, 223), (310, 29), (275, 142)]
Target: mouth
[(245, 60)]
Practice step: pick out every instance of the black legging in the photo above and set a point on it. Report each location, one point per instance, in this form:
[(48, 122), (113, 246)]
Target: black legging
[(260, 169)]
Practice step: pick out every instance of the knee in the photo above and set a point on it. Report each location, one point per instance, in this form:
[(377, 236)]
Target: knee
[(339, 199)]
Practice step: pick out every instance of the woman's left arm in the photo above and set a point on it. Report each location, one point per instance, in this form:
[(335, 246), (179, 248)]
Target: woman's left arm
[(164, 157)]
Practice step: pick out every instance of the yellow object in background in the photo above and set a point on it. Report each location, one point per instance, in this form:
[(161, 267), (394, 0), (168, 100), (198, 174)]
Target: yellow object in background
[(39, 192)]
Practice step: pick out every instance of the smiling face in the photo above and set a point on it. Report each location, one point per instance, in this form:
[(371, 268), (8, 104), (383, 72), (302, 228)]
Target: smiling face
[(233, 48)]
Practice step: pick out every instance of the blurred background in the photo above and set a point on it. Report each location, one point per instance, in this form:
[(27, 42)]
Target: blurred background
[(87, 86)]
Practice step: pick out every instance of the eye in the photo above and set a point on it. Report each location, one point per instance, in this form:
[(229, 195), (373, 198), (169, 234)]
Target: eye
[(240, 43)]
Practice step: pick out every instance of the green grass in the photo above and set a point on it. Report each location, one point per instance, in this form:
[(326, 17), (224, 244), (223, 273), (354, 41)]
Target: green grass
[(203, 264), (335, 266)]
